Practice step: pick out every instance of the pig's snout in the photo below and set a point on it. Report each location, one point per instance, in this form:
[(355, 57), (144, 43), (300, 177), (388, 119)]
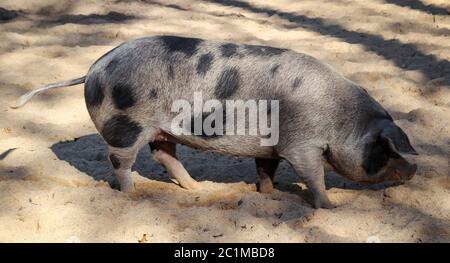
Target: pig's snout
[(397, 171), (407, 173), (400, 172)]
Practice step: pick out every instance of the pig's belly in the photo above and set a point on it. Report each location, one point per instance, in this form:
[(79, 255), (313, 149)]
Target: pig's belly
[(238, 145)]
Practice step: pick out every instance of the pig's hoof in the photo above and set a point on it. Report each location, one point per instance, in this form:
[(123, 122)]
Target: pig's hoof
[(323, 203), (128, 188), (265, 188)]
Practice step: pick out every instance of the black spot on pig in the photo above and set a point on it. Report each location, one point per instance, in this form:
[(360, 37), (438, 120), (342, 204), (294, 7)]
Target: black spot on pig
[(114, 161), (263, 50), (375, 157), (296, 83), (122, 95), (204, 63), (153, 93), (93, 91), (228, 83), (274, 69), (120, 131), (188, 46), (111, 66), (228, 50)]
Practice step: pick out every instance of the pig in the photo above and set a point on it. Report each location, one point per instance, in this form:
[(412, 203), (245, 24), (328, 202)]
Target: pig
[(326, 121)]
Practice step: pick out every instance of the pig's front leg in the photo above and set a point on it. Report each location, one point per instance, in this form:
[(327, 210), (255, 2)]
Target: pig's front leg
[(266, 170), (308, 164), (165, 153)]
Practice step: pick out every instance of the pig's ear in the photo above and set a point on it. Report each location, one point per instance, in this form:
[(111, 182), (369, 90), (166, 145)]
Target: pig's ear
[(397, 140)]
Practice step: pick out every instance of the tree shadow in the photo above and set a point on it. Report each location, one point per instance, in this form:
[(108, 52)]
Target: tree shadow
[(173, 6), (60, 14), (6, 153), (7, 15), (406, 56), (419, 5), (91, 19)]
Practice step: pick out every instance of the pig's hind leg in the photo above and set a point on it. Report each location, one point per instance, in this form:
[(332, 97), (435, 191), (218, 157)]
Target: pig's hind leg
[(125, 138), (122, 160), (165, 153)]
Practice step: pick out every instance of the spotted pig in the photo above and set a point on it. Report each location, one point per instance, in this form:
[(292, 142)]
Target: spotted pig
[(325, 120)]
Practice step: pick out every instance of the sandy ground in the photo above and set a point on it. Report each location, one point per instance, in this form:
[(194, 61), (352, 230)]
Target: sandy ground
[(53, 165)]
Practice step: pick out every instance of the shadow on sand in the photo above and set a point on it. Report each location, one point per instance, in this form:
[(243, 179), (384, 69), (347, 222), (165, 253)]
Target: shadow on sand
[(406, 56), (89, 155)]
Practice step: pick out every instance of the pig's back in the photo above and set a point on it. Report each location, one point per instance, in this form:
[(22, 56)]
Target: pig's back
[(168, 67)]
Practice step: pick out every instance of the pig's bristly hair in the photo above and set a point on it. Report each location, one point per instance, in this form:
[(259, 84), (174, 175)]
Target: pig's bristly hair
[(27, 96)]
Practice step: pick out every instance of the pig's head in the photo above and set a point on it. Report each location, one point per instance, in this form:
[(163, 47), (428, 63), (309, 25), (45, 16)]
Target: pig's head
[(376, 156)]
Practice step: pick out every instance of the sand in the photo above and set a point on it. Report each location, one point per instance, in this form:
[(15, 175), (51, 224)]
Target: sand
[(54, 173)]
